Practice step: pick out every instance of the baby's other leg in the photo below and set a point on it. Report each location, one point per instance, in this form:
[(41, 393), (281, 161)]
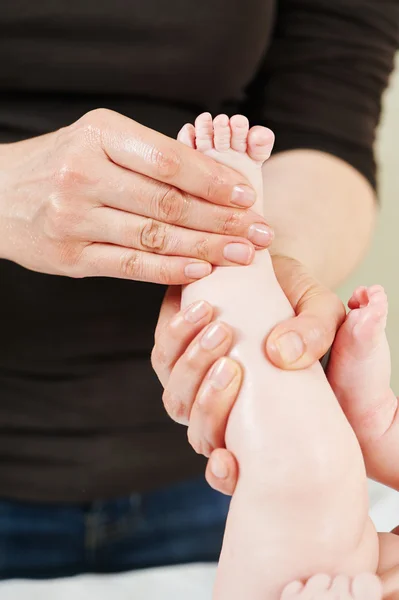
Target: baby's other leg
[(359, 372), (324, 587)]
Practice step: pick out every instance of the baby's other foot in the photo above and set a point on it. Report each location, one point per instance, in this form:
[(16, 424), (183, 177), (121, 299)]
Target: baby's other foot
[(360, 367), (233, 143), (324, 587), (368, 318)]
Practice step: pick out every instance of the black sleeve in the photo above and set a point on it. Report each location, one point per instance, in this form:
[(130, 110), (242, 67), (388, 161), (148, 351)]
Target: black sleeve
[(322, 80)]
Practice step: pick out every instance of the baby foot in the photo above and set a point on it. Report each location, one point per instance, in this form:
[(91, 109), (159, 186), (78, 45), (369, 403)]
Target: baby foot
[(323, 587), (368, 318), (232, 143), (359, 369)]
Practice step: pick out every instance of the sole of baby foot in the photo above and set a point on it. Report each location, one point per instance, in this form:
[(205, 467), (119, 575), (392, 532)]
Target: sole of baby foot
[(368, 316), (341, 587), (363, 332), (360, 365)]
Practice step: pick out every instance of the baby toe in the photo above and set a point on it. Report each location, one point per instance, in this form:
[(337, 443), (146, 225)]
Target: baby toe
[(239, 132), (221, 133), (204, 132), (260, 143)]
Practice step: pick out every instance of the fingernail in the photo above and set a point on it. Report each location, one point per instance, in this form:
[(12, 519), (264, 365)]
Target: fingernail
[(290, 347), (218, 468), (196, 312), (238, 253), (197, 270), (213, 336), (243, 196), (260, 235), (222, 374)]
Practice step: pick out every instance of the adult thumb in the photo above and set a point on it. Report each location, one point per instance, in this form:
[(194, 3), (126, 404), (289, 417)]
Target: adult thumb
[(302, 340)]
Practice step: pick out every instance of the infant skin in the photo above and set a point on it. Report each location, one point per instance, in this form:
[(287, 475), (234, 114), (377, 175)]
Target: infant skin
[(301, 506), (359, 372)]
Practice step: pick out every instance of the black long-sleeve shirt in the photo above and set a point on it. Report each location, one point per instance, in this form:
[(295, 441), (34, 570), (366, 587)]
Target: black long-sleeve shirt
[(81, 416)]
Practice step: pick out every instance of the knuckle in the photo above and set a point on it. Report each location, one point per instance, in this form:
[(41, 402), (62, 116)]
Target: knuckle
[(215, 180), (60, 218), (165, 275), (230, 222), (167, 164), (153, 235), (172, 206), (158, 358), (199, 445), (95, 118), (69, 256), (131, 265), (87, 131), (175, 407), (72, 170), (67, 175), (202, 248)]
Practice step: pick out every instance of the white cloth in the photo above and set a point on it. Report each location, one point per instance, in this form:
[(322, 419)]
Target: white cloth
[(177, 583), (192, 582)]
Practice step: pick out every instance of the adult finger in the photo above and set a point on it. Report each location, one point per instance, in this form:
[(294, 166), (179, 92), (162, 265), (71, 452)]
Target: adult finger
[(301, 341), (173, 335), (222, 471), (132, 231), (212, 406), (106, 260), (143, 150), (170, 307), (191, 368), (134, 193)]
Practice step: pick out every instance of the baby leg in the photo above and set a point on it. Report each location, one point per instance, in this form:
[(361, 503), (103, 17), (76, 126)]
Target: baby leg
[(295, 482), (359, 372)]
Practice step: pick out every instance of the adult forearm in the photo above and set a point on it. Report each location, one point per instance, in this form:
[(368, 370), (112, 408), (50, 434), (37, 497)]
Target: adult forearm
[(322, 210)]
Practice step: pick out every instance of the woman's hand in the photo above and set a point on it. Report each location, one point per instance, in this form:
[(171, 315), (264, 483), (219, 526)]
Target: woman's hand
[(107, 196), (202, 385)]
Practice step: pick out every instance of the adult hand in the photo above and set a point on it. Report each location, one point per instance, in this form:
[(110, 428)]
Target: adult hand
[(201, 386), (107, 196)]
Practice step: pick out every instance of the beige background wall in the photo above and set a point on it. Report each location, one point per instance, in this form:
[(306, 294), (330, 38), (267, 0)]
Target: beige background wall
[(380, 266)]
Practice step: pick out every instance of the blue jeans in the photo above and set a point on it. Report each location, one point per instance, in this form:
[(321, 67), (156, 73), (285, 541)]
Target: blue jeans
[(180, 524)]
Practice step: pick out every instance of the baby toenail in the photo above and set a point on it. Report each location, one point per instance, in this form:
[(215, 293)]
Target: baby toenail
[(290, 347), (243, 196), (260, 235)]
